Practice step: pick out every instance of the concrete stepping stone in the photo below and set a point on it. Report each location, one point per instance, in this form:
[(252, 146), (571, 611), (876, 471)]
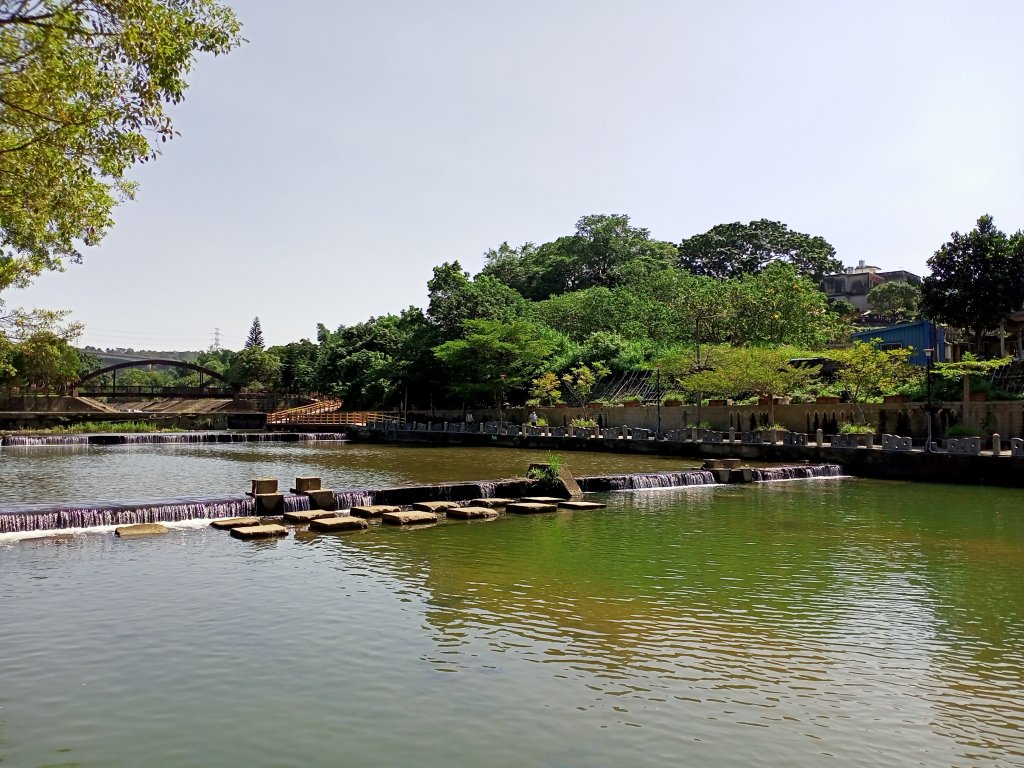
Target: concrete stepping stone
[(471, 513), (142, 529), (530, 508), (415, 517), (541, 499), (581, 505), (493, 502), (226, 523), (434, 506), (374, 510), (304, 516), (259, 531), (338, 524)]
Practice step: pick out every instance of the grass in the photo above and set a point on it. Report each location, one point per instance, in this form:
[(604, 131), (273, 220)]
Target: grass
[(550, 472), (92, 427)]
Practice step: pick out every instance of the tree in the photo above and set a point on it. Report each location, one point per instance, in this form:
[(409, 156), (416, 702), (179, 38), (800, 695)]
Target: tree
[(254, 368), (83, 90), (595, 255), (780, 306), (897, 301), (744, 371), (870, 372), (46, 360), (255, 339), (734, 250), (492, 356), (976, 279)]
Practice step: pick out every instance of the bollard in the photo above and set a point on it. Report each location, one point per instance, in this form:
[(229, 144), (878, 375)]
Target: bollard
[(732, 435), (819, 438), (869, 441), (997, 445)]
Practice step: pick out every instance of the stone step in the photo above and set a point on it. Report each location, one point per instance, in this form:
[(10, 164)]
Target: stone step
[(414, 517), (580, 506), (493, 502), (374, 510), (471, 513), (304, 516), (259, 531), (541, 499), (530, 508), (434, 506), (226, 523), (338, 524), (142, 529)]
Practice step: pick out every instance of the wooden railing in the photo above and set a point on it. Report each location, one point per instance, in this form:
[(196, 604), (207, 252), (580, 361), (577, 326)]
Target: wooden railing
[(306, 414), (338, 418)]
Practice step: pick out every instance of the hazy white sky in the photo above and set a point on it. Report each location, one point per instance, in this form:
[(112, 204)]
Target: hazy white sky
[(325, 167)]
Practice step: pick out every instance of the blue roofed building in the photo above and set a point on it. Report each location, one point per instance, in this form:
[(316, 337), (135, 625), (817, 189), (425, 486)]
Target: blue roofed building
[(918, 335)]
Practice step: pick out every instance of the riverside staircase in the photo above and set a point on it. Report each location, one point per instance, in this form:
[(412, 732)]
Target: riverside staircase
[(326, 413)]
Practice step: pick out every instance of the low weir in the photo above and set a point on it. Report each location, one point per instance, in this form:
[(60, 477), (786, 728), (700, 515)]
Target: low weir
[(150, 438), (183, 510)]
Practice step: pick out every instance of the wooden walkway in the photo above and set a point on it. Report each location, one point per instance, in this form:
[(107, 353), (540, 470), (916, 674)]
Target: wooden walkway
[(327, 413)]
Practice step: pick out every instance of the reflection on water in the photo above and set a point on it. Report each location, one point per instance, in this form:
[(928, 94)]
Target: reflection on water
[(789, 624), (94, 474)]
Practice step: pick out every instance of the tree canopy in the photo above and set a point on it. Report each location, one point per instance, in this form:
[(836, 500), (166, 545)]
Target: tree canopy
[(895, 301), (255, 337), (84, 86), (737, 249), (976, 279)]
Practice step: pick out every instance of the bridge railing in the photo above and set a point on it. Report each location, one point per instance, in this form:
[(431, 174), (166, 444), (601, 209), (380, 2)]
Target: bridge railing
[(142, 390)]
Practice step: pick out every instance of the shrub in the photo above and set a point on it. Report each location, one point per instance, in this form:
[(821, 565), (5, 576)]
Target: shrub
[(672, 399), (549, 472), (963, 430), (857, 429), (583, 423)]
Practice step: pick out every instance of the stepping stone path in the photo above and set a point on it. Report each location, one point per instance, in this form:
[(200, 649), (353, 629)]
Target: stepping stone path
[(338, 524), (305, 516), (434, 506), (493, 502), (529, 508), (142, 529), (259, 531), (541, 499), (580, 506), (414, 517), (234, 522), (374, 510), (471, 513)]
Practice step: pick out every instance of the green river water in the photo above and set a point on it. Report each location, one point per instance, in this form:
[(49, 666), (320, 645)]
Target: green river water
[(804, 623)]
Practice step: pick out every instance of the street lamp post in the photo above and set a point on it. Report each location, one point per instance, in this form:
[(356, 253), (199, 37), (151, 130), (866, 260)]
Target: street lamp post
[(501, 402), (928, 377)]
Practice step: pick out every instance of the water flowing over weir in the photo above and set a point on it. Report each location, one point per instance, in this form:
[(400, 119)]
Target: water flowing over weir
[(646, 480), (176, 438), (798, 472), (161, 512), (18, 440)]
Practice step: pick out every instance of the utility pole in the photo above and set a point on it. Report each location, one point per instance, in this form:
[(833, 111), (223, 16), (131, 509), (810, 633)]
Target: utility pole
[(215, 347)]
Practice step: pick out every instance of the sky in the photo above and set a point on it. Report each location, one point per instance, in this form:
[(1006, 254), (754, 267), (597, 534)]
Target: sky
[(326, 166)]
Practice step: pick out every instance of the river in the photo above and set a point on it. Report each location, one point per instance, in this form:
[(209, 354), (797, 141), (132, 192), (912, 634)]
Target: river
[(800, 623)]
